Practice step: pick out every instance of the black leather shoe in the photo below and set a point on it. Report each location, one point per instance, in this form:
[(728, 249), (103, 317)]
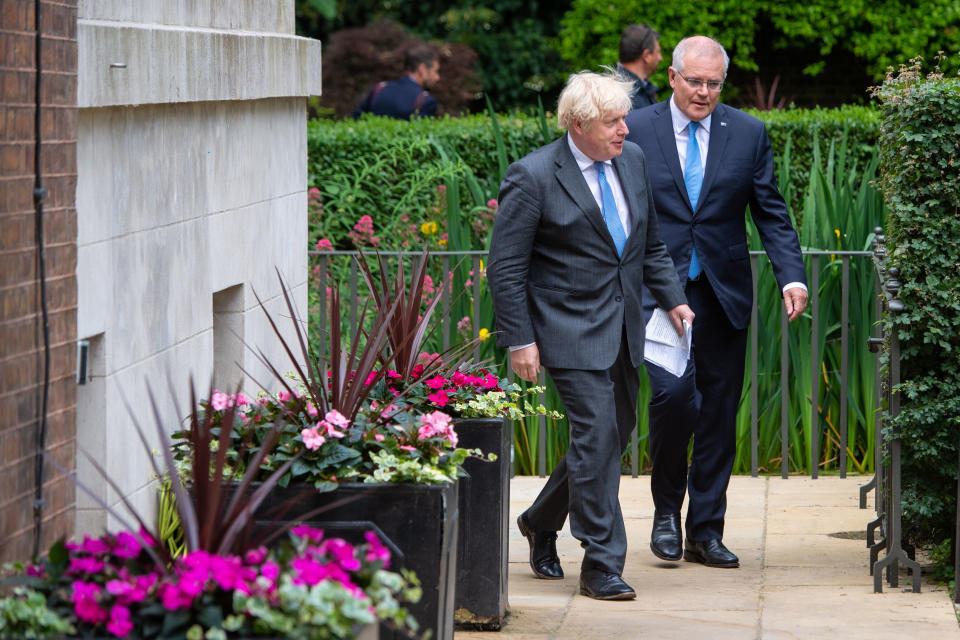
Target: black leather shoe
[(666, 541), (601, 585), (543, 550), (711, 553)]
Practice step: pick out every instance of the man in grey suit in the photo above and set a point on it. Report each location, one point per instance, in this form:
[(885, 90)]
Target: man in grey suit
[(574, 240)]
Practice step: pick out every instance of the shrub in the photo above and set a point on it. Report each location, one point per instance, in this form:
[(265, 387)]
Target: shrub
[(920, 163), (390, 170)]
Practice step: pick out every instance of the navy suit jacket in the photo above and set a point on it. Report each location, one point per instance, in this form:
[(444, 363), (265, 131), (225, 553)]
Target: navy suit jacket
[(739, 173), (554, 273), (398, 99)]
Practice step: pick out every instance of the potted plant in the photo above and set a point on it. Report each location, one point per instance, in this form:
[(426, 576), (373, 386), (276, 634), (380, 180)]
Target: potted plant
[(127, 585)]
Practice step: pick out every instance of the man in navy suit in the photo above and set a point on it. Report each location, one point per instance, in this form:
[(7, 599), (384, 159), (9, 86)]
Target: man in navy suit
[(406, 97), (707, 163), (574, 240)]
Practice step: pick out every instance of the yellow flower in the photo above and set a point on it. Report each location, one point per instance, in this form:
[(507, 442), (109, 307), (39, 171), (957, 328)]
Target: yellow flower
[(428, 228), (484, 334), (837, 231), (442, 242)]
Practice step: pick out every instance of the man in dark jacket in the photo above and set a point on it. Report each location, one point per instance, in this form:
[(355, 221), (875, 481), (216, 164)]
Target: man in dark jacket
[(406, 97), (639, 58), (575, 239)]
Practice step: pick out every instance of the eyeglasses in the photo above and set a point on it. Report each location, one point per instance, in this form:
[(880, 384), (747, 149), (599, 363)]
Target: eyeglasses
[(696, 83)]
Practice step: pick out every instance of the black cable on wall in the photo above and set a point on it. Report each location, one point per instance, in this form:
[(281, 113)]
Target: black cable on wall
[(39, 195)]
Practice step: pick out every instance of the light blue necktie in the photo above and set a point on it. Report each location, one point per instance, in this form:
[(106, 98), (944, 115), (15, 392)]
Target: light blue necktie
[(610, 215), (693, 178)]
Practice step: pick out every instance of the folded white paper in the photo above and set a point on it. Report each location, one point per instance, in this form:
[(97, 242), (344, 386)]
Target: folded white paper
[(663, 347)]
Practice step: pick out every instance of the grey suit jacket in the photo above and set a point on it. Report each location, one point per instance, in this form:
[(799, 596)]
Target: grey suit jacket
[(553, 270)]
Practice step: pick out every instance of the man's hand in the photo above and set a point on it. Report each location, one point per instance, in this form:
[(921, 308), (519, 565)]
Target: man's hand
[(795, 301), (678, 314), (526, 362)]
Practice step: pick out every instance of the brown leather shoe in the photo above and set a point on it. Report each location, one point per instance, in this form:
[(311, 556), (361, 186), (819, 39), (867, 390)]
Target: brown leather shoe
[(543, 550)]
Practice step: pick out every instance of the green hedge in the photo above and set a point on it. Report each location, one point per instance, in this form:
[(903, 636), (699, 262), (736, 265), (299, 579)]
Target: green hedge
[(390, 168), (920, 164)]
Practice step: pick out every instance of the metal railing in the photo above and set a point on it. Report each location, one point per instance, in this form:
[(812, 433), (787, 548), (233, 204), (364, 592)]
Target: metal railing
[(887, 479), (450, 259)]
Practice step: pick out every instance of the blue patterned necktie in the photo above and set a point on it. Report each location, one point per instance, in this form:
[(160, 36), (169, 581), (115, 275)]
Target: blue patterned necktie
[(693, 178), (610, 215)]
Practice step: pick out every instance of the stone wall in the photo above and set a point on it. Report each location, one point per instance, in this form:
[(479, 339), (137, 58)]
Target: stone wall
[(21, 322), (191, 191)]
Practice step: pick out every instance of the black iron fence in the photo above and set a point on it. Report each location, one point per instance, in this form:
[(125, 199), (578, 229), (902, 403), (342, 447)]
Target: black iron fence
[(349, 277)]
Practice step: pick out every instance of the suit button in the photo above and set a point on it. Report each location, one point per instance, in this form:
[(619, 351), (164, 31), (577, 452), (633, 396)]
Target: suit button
[(618, 299)]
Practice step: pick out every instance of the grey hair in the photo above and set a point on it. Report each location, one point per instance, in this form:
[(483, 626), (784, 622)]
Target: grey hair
[(588, 96), (699, 46)]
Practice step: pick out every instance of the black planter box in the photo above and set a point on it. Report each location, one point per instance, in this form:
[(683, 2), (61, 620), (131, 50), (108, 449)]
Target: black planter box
[(483, 548), (417, 522)]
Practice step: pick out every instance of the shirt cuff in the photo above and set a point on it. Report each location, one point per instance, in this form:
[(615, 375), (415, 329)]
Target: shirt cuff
[(794, 285), (517, 347)]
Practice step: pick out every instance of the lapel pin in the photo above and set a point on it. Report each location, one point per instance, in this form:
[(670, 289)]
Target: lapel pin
[(722, 123)]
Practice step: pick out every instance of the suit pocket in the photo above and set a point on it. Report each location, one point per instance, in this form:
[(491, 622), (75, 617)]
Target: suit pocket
[(550, 287)]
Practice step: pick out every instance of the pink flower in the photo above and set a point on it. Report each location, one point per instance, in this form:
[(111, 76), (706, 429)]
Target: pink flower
[(324, 244), (441, 189), (393, 375), (342, 552), (35, 570), (388, 411), (119, 623), (437, 419), (226, 571), (407, 447), (283, 396), (490, 381), (147, 538), (379, 437), (219, 401), (240, 399), (376, 551), (492, 204), (94, 545), (312, 439), (440, 398), (312, 410), (428, 286), (336, 418), (331, 430)]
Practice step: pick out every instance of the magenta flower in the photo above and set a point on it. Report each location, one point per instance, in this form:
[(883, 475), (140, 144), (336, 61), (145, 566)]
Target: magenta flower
[(94, 545), (376, 551), (312, 439), (307, 532), (173, 597), (436, 382), (312, 410), (255, 556), (324, 244), (492, 204), (226, 571), (407, 447), (342, 553), (119, 623), (84, 566), (85, 605), (126, 545), (440, 398)]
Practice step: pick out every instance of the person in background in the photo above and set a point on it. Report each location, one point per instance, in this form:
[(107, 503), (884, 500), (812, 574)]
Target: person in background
[(707, 163), (639, 58), (408, 96), (574, 239)]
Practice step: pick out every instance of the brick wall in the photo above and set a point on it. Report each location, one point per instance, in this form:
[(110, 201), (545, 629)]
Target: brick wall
[(21, 330)]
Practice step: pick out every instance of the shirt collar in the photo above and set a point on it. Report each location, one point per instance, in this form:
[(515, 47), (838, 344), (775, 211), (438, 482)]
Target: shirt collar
[(681, 121), (583, 160)]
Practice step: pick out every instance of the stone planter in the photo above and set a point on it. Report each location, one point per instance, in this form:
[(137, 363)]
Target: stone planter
[(417, 522), (483, 547)]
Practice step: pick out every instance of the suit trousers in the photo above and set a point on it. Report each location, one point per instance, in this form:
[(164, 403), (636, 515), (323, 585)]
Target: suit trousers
[(601, 408), (701, 404)]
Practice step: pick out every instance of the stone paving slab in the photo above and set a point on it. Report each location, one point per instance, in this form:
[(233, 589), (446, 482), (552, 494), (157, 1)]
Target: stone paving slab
[(796, 580)]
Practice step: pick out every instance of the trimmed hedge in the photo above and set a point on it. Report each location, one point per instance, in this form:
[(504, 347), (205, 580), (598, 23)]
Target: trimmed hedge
[(387, 168), (920, 165)]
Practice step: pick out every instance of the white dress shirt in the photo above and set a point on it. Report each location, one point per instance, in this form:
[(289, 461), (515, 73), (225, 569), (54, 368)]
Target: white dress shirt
[(682, 136)]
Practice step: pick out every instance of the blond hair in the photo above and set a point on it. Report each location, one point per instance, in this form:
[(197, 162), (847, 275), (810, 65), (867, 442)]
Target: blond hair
[(588, 96)]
